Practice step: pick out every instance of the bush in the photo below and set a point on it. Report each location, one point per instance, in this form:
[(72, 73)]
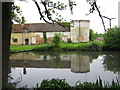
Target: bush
[(94, 47), (112, 38), (91, 36), (44, 47), (45, 37), (55, 83), (56, 39), (69, 41)]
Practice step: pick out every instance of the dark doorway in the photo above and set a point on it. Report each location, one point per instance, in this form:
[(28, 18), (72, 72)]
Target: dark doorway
[(26, 41)]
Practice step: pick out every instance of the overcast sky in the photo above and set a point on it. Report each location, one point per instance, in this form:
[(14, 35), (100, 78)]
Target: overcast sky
[(108, 8)]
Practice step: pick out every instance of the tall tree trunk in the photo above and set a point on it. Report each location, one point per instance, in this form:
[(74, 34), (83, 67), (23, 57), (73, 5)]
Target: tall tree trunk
[(6, 32)]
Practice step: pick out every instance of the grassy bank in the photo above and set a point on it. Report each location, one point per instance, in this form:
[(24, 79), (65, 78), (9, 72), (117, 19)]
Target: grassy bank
[(21, 47), (62, 47)]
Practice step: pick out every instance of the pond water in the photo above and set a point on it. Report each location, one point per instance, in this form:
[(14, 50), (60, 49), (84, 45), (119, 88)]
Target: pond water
[(32, 67)]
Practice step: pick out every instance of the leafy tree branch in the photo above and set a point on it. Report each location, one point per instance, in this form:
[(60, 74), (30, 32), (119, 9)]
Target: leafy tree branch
[(95, 7), (50, 7)]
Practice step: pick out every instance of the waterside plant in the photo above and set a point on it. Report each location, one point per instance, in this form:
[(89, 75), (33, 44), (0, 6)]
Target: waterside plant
[(61, 84)]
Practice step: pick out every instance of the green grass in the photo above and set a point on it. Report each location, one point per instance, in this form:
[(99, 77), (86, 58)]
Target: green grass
[(62, 47), (22, 47)]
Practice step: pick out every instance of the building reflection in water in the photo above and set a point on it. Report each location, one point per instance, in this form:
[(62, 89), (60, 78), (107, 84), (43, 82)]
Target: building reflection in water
[(77, 63), (80, 64)]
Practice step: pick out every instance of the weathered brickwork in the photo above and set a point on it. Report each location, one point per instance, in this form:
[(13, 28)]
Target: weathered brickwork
[(80, 31)]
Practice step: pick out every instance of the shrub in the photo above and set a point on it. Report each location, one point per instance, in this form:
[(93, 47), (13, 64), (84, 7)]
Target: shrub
[(94, 47), (69, 41), (91, 36), (112, 38), (55, 83), (45, 37), (44, 47), (56, 39), (96, 35)]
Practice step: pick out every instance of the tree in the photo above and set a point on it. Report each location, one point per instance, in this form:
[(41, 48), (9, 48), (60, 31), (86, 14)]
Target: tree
[(7, 16), (56, 39), (91, 36), (15, 11), (45, 37), (6, 32), (112, 38)]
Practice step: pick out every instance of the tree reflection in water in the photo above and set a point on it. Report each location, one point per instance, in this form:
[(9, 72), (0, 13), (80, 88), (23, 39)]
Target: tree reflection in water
[(112, 61), (56, 60)]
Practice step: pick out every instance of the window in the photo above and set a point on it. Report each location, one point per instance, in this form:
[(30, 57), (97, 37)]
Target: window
[(33, 40), (15, 40)]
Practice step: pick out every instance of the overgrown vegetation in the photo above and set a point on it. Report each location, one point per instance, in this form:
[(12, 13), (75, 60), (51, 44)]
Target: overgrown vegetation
[(112, 39), (98, 84), (60, 84), (55, 83), (91, 36), (96, 35), (44, 37), (90, 46), (56, 39)]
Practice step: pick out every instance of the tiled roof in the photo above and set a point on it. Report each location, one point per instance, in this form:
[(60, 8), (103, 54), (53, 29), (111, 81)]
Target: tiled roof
[(18, 28), (40, 27)]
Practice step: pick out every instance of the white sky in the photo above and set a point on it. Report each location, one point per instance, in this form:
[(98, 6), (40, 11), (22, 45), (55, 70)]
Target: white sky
[(108, 8)]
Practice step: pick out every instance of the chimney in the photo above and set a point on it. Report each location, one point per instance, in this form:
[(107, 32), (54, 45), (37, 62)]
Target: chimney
[(23, 20)]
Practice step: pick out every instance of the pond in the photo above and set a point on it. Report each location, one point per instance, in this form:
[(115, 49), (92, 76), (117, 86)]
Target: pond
[(31, 68)]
